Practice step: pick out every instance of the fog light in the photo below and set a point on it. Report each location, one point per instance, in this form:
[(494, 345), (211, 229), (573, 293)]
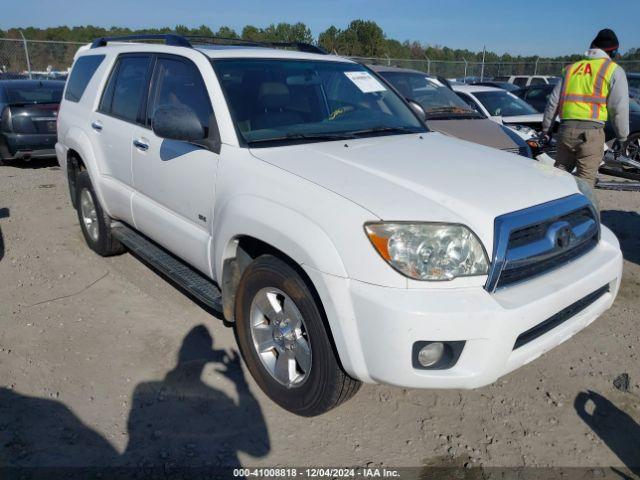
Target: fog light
[(431, 354)]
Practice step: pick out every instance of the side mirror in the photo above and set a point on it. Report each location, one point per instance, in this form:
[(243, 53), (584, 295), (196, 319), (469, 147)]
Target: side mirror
[(178, 123), (418, 110)]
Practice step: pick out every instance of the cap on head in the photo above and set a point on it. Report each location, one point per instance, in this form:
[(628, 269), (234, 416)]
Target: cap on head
[(606, 40)]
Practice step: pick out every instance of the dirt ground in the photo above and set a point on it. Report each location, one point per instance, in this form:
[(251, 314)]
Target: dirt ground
[(102, 362)]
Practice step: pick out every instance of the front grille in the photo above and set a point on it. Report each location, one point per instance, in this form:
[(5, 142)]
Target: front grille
[(559, 318), (533, 233), (536, 240), (514, 275)]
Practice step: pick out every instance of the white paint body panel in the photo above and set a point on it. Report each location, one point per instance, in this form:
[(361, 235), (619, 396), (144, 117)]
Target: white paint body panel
[(311, 202)]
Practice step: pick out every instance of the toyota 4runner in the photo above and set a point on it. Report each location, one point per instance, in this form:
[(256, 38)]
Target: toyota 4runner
[(300, 196)]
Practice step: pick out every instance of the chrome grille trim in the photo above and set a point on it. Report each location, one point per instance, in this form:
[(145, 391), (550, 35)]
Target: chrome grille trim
[(533, 250)]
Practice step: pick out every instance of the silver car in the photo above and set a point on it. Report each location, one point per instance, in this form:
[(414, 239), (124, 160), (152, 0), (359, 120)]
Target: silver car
[(449, 114)]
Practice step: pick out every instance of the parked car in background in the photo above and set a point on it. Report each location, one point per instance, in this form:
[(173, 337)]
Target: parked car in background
[(526, 80), (499, 105), (509, 87), (28, 114), (536, 95), (634, 85), (447, 113)]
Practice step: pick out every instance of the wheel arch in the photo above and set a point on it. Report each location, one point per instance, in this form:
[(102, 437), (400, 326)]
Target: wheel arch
[(248, 226), (252, 226), (80, 157)]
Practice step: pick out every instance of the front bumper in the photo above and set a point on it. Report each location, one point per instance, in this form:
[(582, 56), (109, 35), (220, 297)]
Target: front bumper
[(382, 324)]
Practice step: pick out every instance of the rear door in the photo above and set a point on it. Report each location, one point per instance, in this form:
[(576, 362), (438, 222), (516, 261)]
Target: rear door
[(113, 125), (175, 181)]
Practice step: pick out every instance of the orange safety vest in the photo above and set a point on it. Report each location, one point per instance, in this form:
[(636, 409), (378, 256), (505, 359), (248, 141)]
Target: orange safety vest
[(585, 90)]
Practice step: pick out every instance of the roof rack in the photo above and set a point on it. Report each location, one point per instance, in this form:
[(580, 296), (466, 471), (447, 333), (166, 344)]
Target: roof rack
[(169, 39), (300, 46), (183, 41)]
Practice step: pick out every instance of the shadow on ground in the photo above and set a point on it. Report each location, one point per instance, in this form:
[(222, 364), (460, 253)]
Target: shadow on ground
[(626, 226), (176, 423), (33, 164), (4, 213), (615, 427)]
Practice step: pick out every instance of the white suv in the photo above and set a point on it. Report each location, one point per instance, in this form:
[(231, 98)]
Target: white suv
[(298, 194)]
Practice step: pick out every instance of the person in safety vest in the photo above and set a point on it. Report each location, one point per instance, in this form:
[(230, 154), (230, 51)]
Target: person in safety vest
[(592, 91)]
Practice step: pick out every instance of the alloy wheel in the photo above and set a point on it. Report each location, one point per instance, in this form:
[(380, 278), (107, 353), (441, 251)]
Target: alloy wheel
[(280, 337)]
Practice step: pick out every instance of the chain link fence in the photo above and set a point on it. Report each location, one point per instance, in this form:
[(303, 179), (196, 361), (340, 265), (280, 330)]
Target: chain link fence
[(462, 69), (52, 59), (36, 58)]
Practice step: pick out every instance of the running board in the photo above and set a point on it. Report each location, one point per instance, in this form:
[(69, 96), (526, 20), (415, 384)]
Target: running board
[(619, 186), (187, 278)]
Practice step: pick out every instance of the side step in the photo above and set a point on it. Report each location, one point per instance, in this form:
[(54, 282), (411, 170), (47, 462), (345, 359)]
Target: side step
[(189, 279)]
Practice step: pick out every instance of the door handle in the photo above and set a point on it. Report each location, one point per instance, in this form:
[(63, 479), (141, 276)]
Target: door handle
[(140, 145), (97, 126)]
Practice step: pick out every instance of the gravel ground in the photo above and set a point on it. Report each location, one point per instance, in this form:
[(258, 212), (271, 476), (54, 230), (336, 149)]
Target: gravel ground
[(102, 362)]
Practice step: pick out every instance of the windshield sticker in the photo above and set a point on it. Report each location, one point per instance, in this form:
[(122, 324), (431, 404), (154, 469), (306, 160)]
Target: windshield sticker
[(365, 82)]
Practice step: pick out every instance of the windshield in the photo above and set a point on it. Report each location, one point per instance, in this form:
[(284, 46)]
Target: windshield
[(437, 100), (275, 100), (34, 93), (506, 104)]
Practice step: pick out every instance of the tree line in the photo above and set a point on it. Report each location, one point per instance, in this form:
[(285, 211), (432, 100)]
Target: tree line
[(362, 38)]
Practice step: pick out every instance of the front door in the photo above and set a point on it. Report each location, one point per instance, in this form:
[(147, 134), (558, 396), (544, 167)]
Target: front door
[(174, 181)]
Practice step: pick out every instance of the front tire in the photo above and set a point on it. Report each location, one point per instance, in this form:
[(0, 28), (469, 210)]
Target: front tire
[(94, 223), (284, 341)]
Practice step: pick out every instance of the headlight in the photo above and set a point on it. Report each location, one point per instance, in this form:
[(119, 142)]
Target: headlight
[(587, 190), (429, 251), (523, 129)]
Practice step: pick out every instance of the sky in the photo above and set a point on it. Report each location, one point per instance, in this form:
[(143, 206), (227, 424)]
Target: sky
[(537, 27)]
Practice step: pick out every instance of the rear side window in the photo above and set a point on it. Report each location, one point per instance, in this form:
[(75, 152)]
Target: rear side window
[(126, 88), (83, 70), (178, 82), (520, 81)]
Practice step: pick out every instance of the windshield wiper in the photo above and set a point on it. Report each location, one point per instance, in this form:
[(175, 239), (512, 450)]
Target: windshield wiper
[(453, 110), (384, 130), (305, 136)]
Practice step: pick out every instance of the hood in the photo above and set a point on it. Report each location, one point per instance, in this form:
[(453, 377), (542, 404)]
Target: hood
[(425, 177), (524, 119), (477, 130)]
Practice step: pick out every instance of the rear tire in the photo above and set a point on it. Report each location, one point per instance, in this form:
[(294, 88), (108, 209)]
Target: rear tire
[(278, 319), (94, 223)]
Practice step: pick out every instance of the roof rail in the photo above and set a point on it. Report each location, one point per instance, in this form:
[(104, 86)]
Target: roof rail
[(300, 46), (183, 41), (169, 39)]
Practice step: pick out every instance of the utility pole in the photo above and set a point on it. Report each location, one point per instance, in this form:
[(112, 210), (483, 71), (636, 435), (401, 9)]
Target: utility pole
[(26, 53), (484, 51), (535, 68), (464, 80)]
